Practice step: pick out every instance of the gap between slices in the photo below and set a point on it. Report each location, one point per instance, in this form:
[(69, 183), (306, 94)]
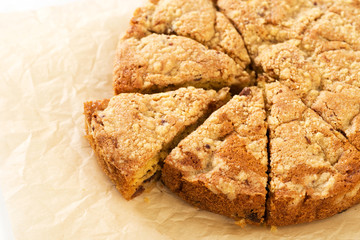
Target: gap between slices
[(303, 43), (195, 19), (305, 49), (309, 46), (131, 132), (172, 44)]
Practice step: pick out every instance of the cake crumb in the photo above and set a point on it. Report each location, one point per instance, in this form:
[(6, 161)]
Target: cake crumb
[(273, 229), (241, 223)]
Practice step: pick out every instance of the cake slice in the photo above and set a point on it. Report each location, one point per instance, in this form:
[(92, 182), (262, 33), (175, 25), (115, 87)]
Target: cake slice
[(314, 170), (196, 19), (132, 133), (161, 62), (221, 167)]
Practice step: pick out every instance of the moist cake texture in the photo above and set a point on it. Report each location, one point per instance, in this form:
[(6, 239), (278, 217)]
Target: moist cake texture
[(222, 165), (129, 131), (284, 150)]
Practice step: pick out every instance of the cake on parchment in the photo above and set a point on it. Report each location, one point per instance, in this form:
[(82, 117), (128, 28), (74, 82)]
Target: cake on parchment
[(132, 133), (222, 165), (305, 55)]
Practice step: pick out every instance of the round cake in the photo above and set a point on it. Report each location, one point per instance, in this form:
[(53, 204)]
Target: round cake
[(249, 109)]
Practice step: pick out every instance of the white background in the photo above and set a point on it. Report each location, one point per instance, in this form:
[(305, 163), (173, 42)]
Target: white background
[(23, 5), (16, 6)]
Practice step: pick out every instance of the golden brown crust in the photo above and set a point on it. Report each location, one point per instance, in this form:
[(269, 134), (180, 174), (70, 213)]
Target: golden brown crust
[(273, 33), (288, 64), (339, 105), (315, 171), (269, 22), (338, 66), (190, 18), (129, 131), (310, 53), (159, 62), (196, 19), (222, 165), (199, 195)]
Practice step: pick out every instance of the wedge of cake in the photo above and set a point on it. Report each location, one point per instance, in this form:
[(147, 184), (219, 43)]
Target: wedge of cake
[(314, 170), (162, 62), (132, 133), (221, 167), (196, 19)]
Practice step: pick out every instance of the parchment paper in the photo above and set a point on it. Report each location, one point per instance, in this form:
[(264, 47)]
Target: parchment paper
[(51, 61)]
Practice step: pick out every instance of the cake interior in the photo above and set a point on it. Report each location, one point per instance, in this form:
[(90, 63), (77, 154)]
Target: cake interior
[(151, 170)]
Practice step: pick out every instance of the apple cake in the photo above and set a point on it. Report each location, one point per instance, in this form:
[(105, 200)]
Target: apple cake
[(245, 108)]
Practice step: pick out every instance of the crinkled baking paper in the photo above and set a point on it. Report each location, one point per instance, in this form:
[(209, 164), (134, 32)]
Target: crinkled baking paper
[(51, 61)]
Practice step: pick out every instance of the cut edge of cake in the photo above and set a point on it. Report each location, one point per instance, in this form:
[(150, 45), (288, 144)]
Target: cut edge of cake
[(226, 152), (149, 171)]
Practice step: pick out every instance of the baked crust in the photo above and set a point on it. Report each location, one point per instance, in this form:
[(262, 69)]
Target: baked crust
[(338, 66), (307, 56), (161, 62), (195, 19), (129, 131), (222, 165), (304, 44), (339, 105), (270, 22), (315, 171), (288, 64)]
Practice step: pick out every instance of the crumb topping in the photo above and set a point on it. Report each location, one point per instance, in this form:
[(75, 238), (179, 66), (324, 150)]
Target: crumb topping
[(159, 61), (228, 152)]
